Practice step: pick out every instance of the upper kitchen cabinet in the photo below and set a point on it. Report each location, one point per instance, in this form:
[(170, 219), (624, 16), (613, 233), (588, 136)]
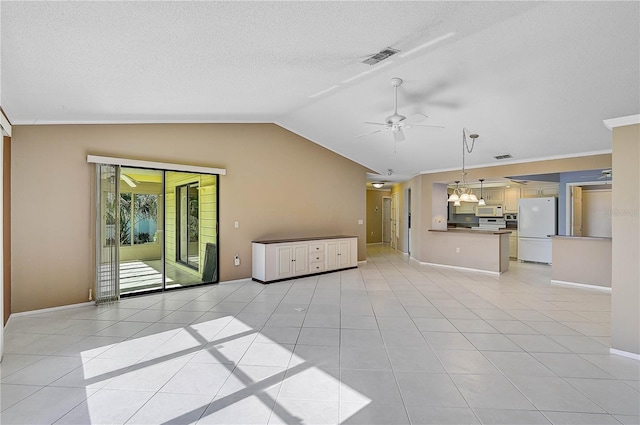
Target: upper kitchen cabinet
[(541, 191), (511, 196), (466, 208), (493, 196)]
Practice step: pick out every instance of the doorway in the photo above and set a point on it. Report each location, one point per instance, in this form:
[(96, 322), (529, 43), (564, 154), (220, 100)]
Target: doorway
[(386, 220), (408, 221), (155, 230), (589, 209), (394, 220)]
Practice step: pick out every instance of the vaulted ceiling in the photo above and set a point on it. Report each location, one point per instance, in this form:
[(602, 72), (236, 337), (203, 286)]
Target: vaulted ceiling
[(533, 79)]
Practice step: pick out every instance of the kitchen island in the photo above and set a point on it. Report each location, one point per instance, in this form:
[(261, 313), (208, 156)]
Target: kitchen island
[(581, 260), (483, 250)]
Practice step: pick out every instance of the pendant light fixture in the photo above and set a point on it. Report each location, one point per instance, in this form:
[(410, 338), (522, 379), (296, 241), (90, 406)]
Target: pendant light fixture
[(464, 193), (481, 202)]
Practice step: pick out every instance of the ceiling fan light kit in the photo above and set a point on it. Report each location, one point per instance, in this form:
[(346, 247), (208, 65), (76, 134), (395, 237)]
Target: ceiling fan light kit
[(481, 202), (397, 123)]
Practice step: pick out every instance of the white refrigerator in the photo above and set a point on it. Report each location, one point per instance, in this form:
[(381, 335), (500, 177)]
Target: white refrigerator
[(536, 224)]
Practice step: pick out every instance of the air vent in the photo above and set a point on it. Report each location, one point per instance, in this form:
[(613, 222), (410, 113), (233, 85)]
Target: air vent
[(505, 156), (379, 57)]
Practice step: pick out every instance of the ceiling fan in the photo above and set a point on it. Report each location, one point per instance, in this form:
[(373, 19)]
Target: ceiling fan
[(397, 123), (605, 175)]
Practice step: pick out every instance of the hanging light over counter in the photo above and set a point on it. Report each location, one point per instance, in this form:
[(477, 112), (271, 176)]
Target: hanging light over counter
[(463, 193)]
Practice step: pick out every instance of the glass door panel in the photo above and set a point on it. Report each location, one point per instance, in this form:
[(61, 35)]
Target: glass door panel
[(140, 230), (191, 228)]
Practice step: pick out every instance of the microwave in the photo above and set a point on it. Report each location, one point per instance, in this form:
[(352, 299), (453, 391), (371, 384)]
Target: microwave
[(489, 211)]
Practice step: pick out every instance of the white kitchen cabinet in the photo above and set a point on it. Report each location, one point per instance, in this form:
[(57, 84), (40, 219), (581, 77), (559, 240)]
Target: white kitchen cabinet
[(282, 259), (511, 196), (513, 245), (551, 190), (466, 208), (540, 191), (493, 196)]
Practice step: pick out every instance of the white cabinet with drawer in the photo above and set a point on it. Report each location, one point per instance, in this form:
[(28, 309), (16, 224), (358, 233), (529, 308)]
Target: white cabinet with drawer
[(316, 258), (275, 260)]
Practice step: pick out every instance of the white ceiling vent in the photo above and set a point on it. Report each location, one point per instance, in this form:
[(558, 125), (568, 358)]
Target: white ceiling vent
[(379, 57), (505, 156)]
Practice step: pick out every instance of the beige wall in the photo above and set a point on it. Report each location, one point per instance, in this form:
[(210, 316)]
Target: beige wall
[(582, 260), (625, 224), (277, 185), (374, 217), (596, 213)]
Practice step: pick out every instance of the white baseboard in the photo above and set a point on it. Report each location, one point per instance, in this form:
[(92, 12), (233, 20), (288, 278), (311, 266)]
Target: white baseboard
[(51, 309), (582, 285), (625, 354), (459, 268), (92, 303), (375, 243), (363, 262), (246, 279)]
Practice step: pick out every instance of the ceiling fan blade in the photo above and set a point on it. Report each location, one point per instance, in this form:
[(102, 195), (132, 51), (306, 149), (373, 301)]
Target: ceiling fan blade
[(398, 136), (375, 123), (414, 119), (368, 134), (426, 125)]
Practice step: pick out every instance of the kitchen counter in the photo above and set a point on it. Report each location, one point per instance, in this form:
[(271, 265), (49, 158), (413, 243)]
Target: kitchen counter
[(596, 238), (582, 260), (468, 229), (483, 250)]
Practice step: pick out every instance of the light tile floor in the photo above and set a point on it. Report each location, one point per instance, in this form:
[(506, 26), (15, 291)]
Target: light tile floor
[(387, 343)]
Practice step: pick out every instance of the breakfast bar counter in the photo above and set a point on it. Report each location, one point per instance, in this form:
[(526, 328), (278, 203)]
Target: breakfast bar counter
[(483, 250)]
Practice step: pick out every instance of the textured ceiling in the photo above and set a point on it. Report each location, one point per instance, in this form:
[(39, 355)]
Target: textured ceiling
[(534, 79)]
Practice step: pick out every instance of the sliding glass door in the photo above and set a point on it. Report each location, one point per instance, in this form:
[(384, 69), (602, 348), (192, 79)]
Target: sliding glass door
[(191, 201), (155, 230), (141, 230)]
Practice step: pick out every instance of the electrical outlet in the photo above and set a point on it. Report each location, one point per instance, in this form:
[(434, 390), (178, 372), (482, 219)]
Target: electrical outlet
[(236, 224), (457, 250), (236, 260)]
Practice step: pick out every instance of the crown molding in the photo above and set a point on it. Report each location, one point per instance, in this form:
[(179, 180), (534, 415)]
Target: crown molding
[(612, 123)]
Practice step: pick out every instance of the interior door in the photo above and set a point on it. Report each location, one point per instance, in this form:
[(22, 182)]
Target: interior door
[(394, 221), (386, 220), (576, 208)]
